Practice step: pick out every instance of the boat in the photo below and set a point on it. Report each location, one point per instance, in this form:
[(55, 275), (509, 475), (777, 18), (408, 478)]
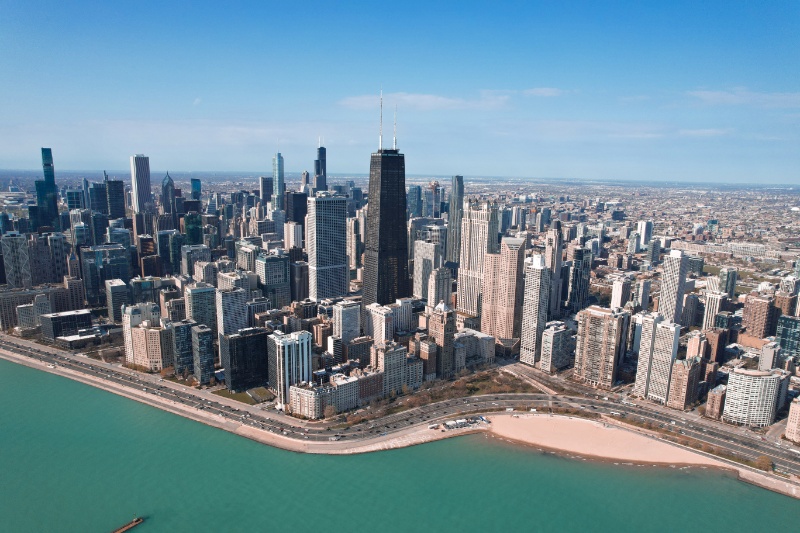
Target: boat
[(130, 525)]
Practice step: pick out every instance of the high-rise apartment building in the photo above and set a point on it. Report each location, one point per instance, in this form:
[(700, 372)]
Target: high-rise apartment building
[(558, 347), (535, 308), (503, 292), (289, 361), (347, 320), (658, 349), (277, 182), (715, 302), (231, 310), (683, 386), (453, 253), (788, 336), (579, 279), (673, 281), (140, 184), (328, 273), (182, 346), (203, 353), (793, 422), (427, 258), (754, 396), (201, 304), (600, 345), (16, 260), (47, 195), (760, 316), (728, 277), (480, 227), (440, 286), (386, 246), (621, 291), (553, 250), (441, 330)]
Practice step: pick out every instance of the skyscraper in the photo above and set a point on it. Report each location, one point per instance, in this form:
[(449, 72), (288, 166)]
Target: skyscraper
[(535, 308), (115, 198), (16, 260), (621, 292), (327, 246), (265, 189), (140, 183), (673, 280), (47, 194), (658, 349), (289, 362), (579, 279), (600, 342), (727, 280), (168, 198), (427, 258), (480, 227), (321, 170), (503, 292), (715, 302), (197, 188), (277, 181), (554, 244), (386, 245), (453, 253)]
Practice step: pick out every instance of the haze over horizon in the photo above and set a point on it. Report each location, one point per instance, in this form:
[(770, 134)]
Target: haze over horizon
[(587, 91)]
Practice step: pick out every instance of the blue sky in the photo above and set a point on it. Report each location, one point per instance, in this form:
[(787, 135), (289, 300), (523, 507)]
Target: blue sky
[(704, 91)]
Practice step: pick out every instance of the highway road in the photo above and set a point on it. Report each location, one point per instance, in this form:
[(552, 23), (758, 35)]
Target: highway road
[(744, 443)]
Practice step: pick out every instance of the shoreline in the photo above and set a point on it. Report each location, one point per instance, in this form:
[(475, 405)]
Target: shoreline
[(420, 435)]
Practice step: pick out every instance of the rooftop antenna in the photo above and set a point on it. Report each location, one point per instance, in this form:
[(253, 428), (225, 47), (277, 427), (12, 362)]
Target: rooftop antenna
[(380, 135), (319, 142), (394, 137)]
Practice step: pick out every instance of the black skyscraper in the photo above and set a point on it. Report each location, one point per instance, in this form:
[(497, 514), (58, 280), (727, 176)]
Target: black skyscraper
[(47, 194), (296, 207), (386, 242), (321, 170), (115, 198)]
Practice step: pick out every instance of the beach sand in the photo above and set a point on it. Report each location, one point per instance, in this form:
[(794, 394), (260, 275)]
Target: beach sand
[(591, 438)]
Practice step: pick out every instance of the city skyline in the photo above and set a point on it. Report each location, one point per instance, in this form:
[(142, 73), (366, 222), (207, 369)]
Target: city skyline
[(672, 93)]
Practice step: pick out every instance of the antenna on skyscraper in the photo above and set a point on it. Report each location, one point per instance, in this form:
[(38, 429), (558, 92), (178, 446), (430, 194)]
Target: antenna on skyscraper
[(319, 142), (394, 137), (380, 133)]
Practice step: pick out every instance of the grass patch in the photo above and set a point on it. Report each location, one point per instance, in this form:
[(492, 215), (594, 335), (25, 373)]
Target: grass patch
[(242, 397), (711, 270)]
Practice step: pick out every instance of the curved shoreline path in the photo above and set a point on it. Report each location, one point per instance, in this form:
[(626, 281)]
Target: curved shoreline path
[(399, 430)]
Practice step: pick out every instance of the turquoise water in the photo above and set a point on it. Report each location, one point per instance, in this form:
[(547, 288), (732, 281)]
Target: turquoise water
[(75, 458)]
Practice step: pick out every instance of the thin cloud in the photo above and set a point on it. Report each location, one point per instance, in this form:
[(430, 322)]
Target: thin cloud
[(743, 96), (705, 132), (544, 91), (427, 102), (197, 101)]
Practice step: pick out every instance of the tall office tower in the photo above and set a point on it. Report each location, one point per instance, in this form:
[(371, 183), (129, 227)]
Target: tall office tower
[(427, 258), (243, 355), (231, 310), (379, 323), (132, 316), (691, 304), (600, 344), (552, 256), (182, 347), (386, 247), (658, 349), (453, 253), (760, 316), (115, 198), (645, 230), (274, 278), (168, 198), (16, 260), (653, 255), (296, 207), (201, 304), (579, 279), (98, 197), (728, 277), (558, 347), (621, 291), (414, 201), (328, 274), (140, 184), (683, 386), (277, 181), (196, 189), (754, 396), (641, 296), (432, 196), (355, 240), (442, 330), (788, 335), (440, 286), (715, 302), (503, 291), (75, 199), (192, 253), (289, 361), (116, 296), (673, 281), (265, 189), (202, 353), (347, 320), (99, 263), (321, 170), (47, 194), (390, 358), (535, 308), (480, 227), (293, 235)]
